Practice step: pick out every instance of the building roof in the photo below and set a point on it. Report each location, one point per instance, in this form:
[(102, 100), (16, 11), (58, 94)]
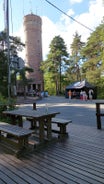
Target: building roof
[(79, 85)]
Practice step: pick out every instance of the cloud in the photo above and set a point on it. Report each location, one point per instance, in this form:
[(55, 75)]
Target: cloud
[(96, 12), (20, 33), (49, 31), (66, 27), (75, 1)]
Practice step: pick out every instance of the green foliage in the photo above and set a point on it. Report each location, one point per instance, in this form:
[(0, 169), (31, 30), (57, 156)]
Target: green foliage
[(3, 74), (100, 88), (75, 61), (55, 63), (49, 84), (22, 79), (10, 103), (6, 105), (86, 62), (15, 46), (93, 64)]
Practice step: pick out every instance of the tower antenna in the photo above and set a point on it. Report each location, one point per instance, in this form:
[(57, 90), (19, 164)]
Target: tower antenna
[(30, 6)]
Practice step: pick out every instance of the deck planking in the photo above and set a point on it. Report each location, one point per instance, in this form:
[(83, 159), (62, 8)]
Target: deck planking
[(77, 159)]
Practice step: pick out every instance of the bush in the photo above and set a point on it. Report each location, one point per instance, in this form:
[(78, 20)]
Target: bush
[(6, 105)]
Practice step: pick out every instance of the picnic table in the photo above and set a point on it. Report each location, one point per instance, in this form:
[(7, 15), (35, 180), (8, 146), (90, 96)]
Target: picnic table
[(43, 118)]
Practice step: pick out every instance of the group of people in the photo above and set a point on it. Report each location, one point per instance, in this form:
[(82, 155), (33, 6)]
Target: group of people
[(83, 94)]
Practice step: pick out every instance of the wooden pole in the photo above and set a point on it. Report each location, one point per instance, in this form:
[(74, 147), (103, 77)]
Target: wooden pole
[(8, 44)]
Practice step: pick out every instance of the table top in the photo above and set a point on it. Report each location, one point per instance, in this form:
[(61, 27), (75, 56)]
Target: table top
[(102, 103), (31, 113)]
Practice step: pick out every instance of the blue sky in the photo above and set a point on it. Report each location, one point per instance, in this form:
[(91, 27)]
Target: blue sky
[(19, 8), (88, 12)]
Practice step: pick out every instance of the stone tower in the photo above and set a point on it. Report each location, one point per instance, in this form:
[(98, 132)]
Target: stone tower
[(33, 50)]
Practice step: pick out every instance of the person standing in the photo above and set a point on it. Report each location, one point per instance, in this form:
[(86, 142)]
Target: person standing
[(84, 95), (69, 94), (91, 92), (74, 94), (81, 95)]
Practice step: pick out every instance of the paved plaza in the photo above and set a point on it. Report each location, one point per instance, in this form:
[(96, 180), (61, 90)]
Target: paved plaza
[(79, 111)]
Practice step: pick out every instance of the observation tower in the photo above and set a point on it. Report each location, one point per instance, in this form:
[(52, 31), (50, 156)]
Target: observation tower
[(33, 50)]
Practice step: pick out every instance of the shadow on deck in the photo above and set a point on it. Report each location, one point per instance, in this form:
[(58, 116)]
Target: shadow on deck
[(76, 159)]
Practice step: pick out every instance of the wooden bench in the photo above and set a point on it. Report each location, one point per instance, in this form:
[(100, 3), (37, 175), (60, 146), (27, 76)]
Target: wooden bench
[(61, 123), (19, 134)]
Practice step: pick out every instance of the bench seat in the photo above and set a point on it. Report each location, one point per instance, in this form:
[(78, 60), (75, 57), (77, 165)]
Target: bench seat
[(20, 134), (61, 123)]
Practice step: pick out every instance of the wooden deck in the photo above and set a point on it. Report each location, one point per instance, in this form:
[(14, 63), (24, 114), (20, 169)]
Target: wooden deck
[(77, 159)]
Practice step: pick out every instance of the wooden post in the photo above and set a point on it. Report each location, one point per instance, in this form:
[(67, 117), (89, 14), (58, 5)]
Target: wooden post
[(34, 106), (98, 115)]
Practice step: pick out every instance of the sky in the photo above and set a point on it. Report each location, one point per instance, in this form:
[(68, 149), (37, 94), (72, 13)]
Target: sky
[(88, 12)]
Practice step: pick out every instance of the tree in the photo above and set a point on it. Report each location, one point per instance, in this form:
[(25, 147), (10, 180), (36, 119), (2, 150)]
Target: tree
[(93, 52), (23, 81), (3, 74), (49, 83), (56, 61), (93, 65), (75, 57), (15, 46)]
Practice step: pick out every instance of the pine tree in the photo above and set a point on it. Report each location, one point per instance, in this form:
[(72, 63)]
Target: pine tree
[(56, 61), (75, 61)]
